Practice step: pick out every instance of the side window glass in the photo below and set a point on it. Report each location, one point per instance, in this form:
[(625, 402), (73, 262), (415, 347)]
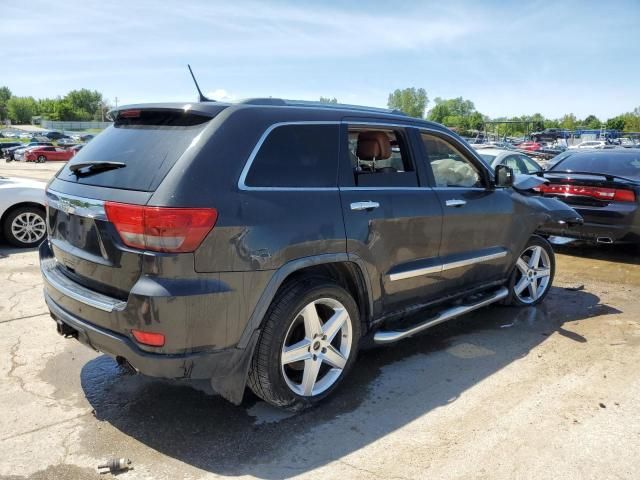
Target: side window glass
[(450, 167), (512, 161), (530, 165), (380, 158), (303, 156)]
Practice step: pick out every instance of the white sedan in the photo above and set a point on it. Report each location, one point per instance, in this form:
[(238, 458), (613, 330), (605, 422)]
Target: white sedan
[(22, 211)]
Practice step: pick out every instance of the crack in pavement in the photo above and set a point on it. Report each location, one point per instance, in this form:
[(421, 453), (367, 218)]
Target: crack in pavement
[(371, 472), (15, 364), (26, 317), (44, 427)]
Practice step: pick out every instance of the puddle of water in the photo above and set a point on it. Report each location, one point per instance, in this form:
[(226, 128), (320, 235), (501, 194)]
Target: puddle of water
[(265, 413)]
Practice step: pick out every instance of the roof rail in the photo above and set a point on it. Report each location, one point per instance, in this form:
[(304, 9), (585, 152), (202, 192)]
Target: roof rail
[(311, 103)]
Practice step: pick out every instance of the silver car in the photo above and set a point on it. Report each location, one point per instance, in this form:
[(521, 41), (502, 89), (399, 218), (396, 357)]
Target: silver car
[(519, 162)]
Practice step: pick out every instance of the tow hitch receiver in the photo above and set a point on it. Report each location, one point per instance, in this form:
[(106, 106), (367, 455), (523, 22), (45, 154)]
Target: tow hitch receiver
[(65, 330)]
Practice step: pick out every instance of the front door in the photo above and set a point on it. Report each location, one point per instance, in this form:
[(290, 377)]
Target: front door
[(477, 229), (393, 220)]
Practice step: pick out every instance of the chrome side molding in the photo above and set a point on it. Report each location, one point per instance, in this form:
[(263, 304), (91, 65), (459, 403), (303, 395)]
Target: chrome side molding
[(445, 266), (390, 336)]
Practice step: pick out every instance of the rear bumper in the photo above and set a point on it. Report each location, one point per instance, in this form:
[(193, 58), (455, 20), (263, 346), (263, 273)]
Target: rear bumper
[(226, 369), (193, 365), (593, 231), (617, 223)]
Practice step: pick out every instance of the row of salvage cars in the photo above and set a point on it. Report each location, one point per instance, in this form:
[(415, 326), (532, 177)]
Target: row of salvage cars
[(603, 186), (22, 201), (39, 152)]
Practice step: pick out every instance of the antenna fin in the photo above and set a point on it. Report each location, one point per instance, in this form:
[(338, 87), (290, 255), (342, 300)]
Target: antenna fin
[(201, 97)]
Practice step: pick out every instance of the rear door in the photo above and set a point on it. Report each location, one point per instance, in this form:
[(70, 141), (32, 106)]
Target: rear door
[(478, 230), (393, 220)]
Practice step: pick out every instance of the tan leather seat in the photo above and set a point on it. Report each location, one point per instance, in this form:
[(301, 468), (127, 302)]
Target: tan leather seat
[(373, 145)]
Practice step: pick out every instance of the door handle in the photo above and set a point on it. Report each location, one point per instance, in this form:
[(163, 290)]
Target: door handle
[(357, 206), (454, 202)]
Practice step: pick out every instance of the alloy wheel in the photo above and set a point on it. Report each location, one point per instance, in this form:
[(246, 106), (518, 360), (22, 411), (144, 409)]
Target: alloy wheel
[(534, 273), (28, 227), (316, 347)]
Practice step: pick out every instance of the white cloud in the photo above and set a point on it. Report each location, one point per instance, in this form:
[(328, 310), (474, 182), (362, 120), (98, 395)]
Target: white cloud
[(221, 95)]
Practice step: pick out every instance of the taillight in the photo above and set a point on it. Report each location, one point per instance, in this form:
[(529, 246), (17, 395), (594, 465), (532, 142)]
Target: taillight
[(148, 338), (600, 193), (161, 229)]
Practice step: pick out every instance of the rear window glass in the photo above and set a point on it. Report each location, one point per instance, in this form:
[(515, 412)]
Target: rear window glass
[(149, 144), (625, 164), (304, 156)]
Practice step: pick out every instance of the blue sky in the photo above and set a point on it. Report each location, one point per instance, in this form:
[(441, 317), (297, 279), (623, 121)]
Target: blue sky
[(509, 58)]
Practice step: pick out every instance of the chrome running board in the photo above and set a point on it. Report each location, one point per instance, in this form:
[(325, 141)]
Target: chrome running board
[(390, 336)]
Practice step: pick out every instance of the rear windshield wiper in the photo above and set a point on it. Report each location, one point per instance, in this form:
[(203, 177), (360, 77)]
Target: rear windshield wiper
[(93, 168)]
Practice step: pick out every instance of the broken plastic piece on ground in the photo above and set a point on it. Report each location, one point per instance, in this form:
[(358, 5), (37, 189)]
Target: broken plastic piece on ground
[(116, 465)]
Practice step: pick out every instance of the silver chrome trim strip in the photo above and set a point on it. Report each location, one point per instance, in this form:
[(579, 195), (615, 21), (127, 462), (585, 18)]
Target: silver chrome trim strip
[(415, 273), (71, 289), (247, 166), (445, 266), (80, 206), (390, 336), (472, 261)]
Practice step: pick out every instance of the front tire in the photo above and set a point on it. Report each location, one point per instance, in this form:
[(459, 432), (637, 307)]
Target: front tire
[(25, 227), (533, 274), (42, 159), (308, 344)]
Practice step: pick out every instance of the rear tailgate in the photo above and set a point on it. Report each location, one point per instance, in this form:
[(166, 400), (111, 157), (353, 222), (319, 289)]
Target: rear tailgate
[(87, 248)]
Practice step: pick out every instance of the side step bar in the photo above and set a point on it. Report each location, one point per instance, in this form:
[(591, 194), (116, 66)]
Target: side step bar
[(390, 336)]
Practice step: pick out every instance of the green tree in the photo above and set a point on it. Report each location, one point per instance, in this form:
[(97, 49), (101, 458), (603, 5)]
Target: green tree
[(21, 109), (592, 122), (84, 103), (5, 95), (457, 113), (328, 100), (568, 122), (412, 101), (616, 123)]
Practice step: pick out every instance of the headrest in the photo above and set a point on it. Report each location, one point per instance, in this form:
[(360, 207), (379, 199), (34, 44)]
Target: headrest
[(373, 145)]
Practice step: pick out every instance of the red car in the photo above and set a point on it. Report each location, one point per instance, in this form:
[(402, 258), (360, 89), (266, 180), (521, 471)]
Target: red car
[(531, 146), (47, 154)]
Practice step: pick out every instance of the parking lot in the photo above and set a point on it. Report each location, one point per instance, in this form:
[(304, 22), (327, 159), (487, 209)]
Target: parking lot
[(502, 393)]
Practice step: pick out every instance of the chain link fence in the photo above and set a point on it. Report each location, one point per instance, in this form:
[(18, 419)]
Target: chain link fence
[(51, 125)]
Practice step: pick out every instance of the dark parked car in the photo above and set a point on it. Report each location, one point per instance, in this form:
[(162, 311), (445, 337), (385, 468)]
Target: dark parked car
[(548, 135), (260, 243), (604, 187), (53, 135), (5, 146), (10, 153)]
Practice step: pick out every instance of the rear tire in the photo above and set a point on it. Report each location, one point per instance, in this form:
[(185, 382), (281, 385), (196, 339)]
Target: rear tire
[(42, 159), (533, 274), (25, 227), (308, 344)]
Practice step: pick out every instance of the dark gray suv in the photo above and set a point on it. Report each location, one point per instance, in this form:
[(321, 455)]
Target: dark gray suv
[(261, 243)]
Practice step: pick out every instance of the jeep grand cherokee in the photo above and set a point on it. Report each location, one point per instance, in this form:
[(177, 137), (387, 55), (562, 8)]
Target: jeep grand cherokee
[(260, 243)]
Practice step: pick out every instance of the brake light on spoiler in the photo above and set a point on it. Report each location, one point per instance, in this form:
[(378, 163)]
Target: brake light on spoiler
[(161, 229), (600, 193)]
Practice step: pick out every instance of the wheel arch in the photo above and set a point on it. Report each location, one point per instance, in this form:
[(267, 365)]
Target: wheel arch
[(15, 206), (346, 270)]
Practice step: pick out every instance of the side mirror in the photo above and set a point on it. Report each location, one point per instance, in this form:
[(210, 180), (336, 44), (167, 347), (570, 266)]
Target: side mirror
[(504, 176)]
